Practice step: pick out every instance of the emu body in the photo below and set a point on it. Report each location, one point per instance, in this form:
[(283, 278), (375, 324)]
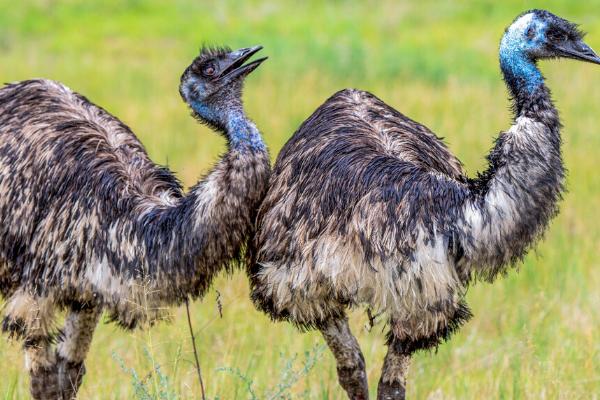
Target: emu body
[(90, 223), (359, 211), (366, 206)]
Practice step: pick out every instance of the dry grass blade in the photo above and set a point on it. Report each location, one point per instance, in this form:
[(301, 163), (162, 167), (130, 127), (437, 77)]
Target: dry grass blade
[(187, 310)]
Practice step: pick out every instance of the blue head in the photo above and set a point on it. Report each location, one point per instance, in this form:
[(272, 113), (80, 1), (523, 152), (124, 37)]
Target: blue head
[(212, 87), (535, 35)]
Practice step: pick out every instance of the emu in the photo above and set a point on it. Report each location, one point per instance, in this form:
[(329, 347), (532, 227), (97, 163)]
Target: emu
[(366, 206), (90, 223)]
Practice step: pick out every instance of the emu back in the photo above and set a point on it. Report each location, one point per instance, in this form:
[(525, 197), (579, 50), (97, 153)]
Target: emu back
[(350, 195), (69, 171)]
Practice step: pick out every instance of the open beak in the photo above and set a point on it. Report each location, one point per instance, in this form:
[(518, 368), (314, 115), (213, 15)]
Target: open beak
[(232, 65), (579, 51)]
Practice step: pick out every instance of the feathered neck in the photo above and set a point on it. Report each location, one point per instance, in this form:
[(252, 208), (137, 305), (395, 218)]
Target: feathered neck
[(522, 76), (242, 133)]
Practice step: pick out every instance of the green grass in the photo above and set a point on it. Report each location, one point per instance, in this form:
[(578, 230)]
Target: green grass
[(535, 333)]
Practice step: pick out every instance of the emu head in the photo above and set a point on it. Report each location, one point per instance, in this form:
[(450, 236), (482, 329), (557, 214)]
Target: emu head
[(539, 34), (212, 84)]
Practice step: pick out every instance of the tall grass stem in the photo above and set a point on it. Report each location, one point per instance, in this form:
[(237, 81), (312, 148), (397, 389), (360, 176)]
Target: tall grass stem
[(187, 310)]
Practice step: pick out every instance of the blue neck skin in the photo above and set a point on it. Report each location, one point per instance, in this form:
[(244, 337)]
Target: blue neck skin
[(520, 72), (241, 133)]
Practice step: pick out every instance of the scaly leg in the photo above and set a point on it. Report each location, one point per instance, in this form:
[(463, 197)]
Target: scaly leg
[(392, 384), (73, 348), (31, 318), (40, 360), (350, 361)]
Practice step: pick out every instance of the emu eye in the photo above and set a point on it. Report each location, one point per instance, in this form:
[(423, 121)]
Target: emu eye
[(208, 70), (530, 32)]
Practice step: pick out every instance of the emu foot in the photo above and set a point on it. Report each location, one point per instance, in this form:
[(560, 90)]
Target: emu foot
[(44, 384), (70, 375), (354, 382), (390, 391)]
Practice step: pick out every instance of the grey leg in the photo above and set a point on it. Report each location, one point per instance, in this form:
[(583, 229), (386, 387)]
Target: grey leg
[(350, 361), (73, 348), (40, 361), (31, 319), (392, 384)]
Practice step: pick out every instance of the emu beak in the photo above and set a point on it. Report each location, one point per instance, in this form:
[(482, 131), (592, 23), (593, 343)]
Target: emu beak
[(578, 50), (233, 63)]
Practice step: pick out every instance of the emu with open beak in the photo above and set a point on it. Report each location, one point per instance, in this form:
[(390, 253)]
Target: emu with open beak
[(232, 65)]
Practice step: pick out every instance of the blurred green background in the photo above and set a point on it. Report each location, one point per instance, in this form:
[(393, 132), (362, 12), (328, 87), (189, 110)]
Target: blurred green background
[(535, 334)]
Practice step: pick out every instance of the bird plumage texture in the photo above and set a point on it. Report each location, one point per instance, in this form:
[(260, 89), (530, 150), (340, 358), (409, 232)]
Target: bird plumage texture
[(90, 223), (366, 206), (87, 216), (353, 194)]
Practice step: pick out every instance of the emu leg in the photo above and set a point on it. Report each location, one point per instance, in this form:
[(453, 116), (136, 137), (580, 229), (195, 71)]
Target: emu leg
[(73, 348), (392, 383), (31, 319), (40, 361), (350, 361)]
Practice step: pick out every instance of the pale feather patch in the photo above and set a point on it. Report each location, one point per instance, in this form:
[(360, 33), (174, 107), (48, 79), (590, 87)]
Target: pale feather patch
[(499, 216), (408, 295), (35, 313)]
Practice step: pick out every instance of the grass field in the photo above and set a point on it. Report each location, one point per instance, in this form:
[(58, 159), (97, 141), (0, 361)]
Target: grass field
[(535, 334)]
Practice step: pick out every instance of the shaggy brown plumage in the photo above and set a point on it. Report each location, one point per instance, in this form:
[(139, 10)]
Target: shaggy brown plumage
[(366, 206), (90, 223)]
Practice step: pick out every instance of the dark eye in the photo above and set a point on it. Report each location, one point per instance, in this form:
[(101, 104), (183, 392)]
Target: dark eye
[(208, 70), (530, 32)]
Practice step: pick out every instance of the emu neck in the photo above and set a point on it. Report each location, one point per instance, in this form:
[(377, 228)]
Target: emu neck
[(520, 73), (523, 78), (241, 132), (513, 201)]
